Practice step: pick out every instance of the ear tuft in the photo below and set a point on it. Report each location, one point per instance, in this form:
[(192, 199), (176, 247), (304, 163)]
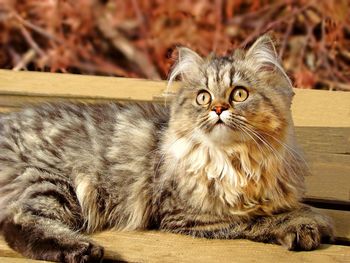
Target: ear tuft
[(263, 45), (187, 66), (262, 56)]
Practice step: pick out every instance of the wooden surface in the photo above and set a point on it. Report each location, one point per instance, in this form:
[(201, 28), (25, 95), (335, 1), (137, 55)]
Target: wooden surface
[(341, 222), (322, 121), (312, 108), (119, 244), (327, 151), (152, 246), (160, 247), (19, 260)]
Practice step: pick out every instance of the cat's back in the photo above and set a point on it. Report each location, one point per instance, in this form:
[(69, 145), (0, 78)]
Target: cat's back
[(79, 151), (53, 128), (61, 135)]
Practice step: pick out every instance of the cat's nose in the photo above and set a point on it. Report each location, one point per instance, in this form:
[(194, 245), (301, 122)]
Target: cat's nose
[(220, 108)]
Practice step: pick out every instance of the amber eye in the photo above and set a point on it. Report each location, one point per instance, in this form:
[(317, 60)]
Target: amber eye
[(203, 97), (239, 94)]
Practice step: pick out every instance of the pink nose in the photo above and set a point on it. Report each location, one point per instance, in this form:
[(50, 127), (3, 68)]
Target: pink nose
[(220, 108)]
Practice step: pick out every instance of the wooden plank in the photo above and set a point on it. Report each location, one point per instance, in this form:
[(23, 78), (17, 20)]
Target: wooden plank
[(330, 177), (308, 105), (8, 109), (19, 260), (160, 247), (341, 222), (18, 101), (324, 139), (153, 246), (69, 85), (320, 108), (6, 251)]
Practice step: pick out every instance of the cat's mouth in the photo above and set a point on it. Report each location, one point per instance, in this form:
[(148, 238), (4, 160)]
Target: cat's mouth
[(220, 122)]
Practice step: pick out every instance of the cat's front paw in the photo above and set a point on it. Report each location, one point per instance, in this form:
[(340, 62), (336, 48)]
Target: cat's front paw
[(83, 252), (306, 233)]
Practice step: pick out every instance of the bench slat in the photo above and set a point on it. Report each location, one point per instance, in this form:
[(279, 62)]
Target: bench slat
[(330, 177), (316, 108), (6, 251), (154, 246), (334, 140), (78, 86), (19, 260), (341, 222), (160, 247)]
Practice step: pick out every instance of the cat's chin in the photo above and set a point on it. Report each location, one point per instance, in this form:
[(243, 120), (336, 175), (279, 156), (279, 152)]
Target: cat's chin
[(223, 134)]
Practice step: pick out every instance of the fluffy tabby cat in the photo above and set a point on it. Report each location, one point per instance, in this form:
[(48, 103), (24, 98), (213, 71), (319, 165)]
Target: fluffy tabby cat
[(220, 162)]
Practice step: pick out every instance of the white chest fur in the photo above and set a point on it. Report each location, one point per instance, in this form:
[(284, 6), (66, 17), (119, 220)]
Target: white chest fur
[(200, 156), (211, 176)]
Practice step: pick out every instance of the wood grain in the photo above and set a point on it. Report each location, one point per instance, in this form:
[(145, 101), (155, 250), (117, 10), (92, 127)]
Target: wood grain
[(335, 140), (5, 251), (341, 222), (154, 246), (163, 247), (330, 177), (7, 100), (321, 108), (19, 260), (78, 86)]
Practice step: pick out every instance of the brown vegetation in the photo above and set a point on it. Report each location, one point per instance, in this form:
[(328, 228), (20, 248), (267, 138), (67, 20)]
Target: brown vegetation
[(136, 38)]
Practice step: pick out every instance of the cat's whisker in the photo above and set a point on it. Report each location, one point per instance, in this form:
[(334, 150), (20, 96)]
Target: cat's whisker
[(277, 155), (272, 149), (273, 137), (243, 125), (245, 130), (286, 147), (291, 151)]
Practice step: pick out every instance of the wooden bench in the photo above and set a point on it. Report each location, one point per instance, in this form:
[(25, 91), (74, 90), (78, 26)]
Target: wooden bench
[(322, 120)]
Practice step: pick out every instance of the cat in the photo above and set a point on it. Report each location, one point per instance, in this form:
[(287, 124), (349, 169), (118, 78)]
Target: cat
[(220, 161)]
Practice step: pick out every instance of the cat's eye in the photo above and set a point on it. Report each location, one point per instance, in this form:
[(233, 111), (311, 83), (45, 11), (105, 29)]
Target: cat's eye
[(239, 94), (203, 97)]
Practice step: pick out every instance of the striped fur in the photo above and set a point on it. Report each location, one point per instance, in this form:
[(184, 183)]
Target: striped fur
[(67, 169)]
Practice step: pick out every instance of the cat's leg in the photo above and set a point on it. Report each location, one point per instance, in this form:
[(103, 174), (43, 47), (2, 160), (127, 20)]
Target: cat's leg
[(300, 229), (43, 223)]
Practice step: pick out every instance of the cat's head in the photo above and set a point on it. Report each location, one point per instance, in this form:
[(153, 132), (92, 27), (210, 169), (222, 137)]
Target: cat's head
[(233, 98)]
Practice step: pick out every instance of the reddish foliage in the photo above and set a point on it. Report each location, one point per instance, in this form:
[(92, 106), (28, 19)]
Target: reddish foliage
[(136, 38)]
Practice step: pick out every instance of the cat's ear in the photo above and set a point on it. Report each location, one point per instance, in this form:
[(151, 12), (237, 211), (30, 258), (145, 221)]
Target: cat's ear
[(262, 56), (188, 65), (263, 53)]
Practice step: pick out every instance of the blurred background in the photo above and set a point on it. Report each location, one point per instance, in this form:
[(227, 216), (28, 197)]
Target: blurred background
[(137, 38)]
